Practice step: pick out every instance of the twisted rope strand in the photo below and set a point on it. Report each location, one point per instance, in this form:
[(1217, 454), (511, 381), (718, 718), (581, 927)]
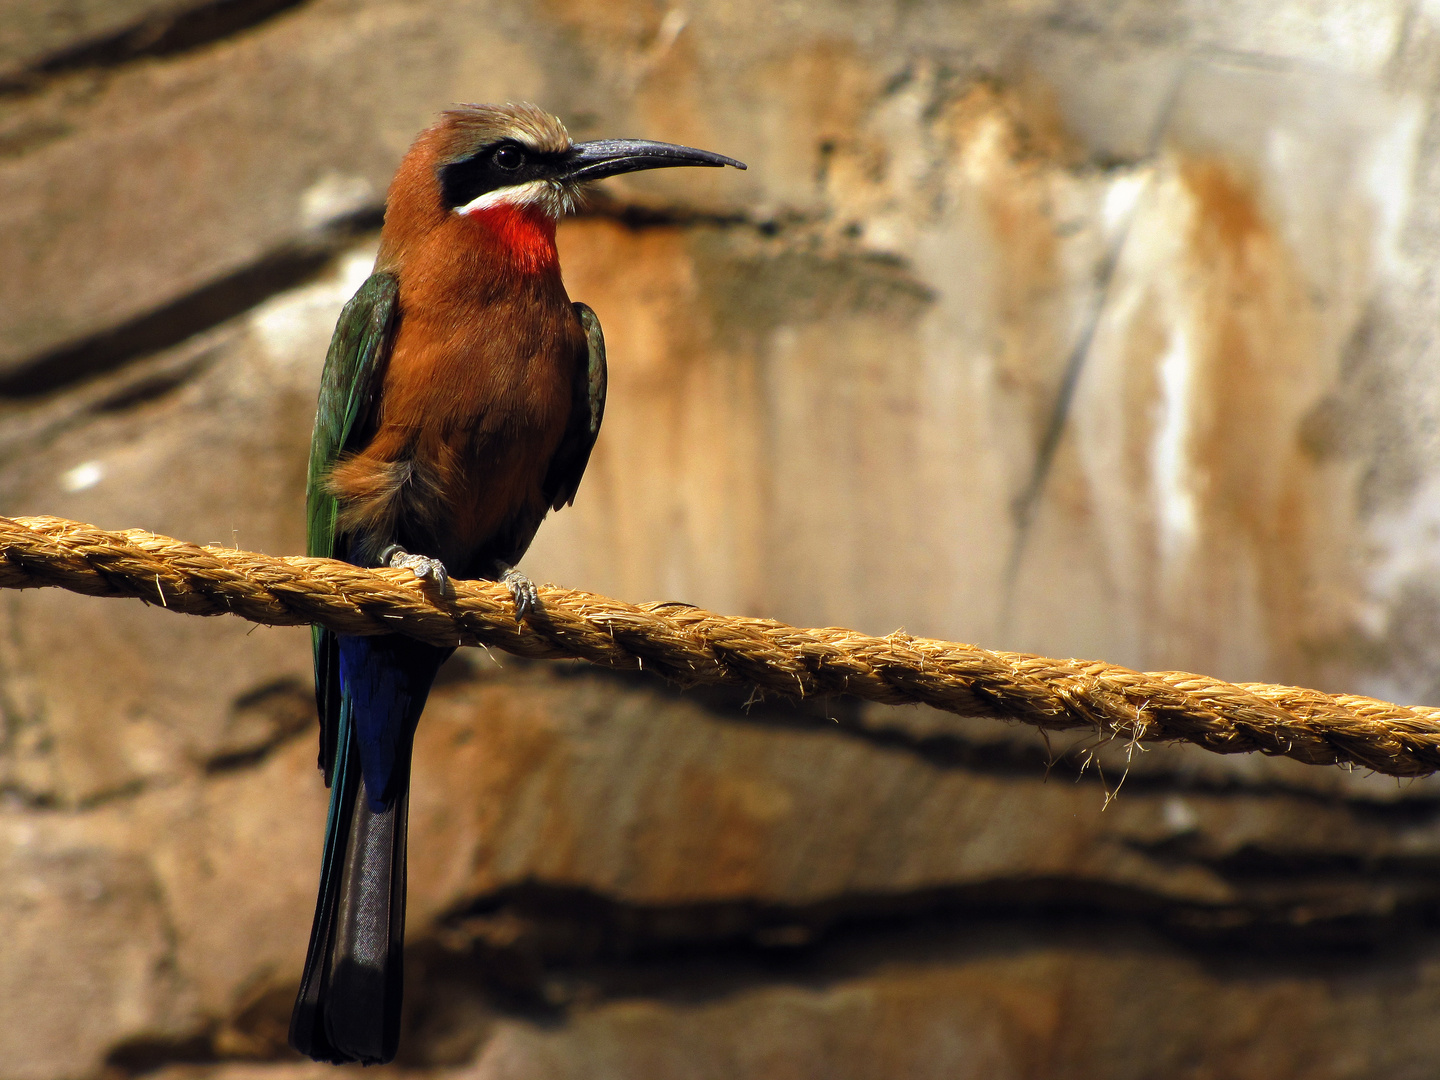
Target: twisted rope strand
[(695, 647)]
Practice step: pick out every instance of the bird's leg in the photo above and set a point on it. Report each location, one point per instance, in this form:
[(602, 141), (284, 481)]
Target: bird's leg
[(422, 565), (522, 590)]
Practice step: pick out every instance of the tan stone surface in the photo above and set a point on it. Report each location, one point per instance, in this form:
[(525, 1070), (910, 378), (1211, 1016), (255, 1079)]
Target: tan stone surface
[(905, 332), (578, 783), (998, 1008), (208, 443), (208, 159), (830, 380), (85, 952), (33, 31), (1123, 1011), (204, 886), (654, 801), (153, 917), (570, 784)]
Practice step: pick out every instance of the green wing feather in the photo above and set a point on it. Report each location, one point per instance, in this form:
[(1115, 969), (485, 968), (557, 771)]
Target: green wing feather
[(587, 410), (347, 389), (348, 386)]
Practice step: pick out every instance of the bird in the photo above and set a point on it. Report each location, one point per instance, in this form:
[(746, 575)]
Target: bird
[(461, 396)]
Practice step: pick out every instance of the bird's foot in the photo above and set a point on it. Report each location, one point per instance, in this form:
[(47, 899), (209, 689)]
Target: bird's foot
[(421, 565), (522, 591)]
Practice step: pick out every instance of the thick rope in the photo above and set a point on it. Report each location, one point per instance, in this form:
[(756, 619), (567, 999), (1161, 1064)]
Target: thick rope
[(695, 647)]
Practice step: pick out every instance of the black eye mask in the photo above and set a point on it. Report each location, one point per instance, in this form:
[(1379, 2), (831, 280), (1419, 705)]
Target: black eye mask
[(497, 165)]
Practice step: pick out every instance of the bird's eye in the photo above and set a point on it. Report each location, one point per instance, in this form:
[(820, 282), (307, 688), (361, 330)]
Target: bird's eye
[(509, 157)]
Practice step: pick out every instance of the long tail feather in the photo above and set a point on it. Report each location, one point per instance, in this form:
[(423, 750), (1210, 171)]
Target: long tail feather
[(307, 1021), (348, 1007), (366, 977)]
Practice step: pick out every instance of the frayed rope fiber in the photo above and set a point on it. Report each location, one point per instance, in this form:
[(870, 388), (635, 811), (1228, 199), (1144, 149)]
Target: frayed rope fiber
[(693, 647)]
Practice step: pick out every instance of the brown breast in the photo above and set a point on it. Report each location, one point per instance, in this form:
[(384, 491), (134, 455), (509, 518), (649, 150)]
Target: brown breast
[(474, 401)]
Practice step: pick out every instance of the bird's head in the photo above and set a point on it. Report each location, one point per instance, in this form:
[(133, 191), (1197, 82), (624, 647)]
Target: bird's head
[(514, 167)]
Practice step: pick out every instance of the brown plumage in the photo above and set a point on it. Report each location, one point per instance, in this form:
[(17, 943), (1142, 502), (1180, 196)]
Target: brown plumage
[(460, 400), (477, 392)]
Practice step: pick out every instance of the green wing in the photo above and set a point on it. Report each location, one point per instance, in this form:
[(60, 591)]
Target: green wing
[(347, 390), (348, 386), (587, 409)]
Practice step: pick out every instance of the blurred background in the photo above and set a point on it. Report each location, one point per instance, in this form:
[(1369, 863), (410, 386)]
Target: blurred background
[(1096, 328)]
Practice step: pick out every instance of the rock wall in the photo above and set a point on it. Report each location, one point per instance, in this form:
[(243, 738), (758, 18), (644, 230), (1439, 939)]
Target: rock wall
[(1097, 329)]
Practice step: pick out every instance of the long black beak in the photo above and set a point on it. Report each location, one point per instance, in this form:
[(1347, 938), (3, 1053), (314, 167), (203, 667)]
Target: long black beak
[(610, 157)]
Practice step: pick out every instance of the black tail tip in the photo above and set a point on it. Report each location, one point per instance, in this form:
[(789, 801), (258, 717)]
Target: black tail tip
[(357, 1017)]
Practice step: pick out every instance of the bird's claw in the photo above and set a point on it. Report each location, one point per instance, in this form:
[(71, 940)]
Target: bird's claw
[(522, 591), (421, 565)]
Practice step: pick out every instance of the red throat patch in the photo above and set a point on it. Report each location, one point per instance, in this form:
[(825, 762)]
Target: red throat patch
[(526, 234)]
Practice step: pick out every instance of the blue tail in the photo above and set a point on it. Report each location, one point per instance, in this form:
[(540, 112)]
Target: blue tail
[(348, 1008)]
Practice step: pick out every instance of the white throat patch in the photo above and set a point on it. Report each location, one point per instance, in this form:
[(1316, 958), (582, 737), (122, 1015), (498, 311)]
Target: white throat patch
[(552, 198)]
